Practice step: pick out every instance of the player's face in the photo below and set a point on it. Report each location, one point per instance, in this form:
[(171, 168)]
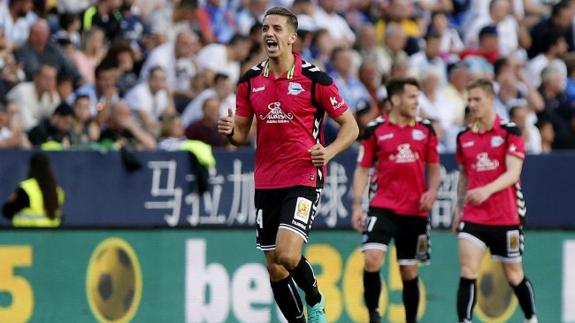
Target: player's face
[(277, 35), (479, 103), (409, 101)]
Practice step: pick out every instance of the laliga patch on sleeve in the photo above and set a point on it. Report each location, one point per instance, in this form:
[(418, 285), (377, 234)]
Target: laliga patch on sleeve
[(302, 210)]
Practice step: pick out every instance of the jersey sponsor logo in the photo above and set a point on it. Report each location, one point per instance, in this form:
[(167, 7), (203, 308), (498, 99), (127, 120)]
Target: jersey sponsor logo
[(417, 134), (468, 144), (334, 103), (302, 210), (496, 141), (404, 155), (295, 88), (258, 89), (485, 164), (385, 137), (276, 114)]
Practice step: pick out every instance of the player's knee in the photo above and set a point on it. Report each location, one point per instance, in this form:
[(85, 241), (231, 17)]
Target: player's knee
[(373, 260), (276, 271), (468, 272), (288, 258), (514, 274), (408, 272)]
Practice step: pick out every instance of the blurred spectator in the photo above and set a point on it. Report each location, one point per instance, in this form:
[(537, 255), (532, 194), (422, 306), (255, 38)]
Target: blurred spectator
[(370, 51), (104, 90), (70, 26), (251, 15), (40, 50), (518, 114), (545, 128), (558, 109), (322, 45), (429, 102), (221, 21), (429, 58), (226, 59), (132, 25), (106, 15), (122, 130), (350, 88), (395, 40), (36, 100), (53, 133), (359, 14), (206, 128), (151, 100), (16, 19), (10, 71), (553, 48), (453, 99), (122, 55), (223, 91), (72, 6), (11, 135), (175, 58), (400, 13), (451, 42), (372, 81), (92, 51), (488, 45), (561, 20), (326, 17), (85, 130)]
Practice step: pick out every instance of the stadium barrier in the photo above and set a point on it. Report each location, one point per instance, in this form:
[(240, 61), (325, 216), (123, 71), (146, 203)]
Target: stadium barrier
[(218, 276), (101, 193)]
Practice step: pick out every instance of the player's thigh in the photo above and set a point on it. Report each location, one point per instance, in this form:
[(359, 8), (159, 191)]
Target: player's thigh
[(298, 208), (472, 245), (514, 272), (268, 210), (412, 240)]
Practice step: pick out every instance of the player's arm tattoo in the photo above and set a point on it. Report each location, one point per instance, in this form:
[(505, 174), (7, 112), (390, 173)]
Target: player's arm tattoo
[(461, 188)]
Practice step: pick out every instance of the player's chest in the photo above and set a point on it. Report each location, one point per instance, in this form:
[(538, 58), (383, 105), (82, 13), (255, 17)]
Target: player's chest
[(401, 141), (281, 99), (484, 152)]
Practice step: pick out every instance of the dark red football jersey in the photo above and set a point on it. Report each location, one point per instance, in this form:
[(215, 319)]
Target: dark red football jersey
[(400, 154), (289, 111), (483, 156)]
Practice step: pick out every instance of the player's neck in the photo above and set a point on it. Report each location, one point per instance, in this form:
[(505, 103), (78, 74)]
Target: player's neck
[(485, 123), (281, 64), (397, 118)]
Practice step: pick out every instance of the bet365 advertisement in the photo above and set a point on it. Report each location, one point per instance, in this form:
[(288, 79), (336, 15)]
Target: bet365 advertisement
[(219, 276)]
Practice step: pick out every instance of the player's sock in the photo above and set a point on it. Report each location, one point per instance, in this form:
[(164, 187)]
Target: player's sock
[(305, 279), (372, 289), (525, 297), (411, 299), (288, 300), (466, 296)]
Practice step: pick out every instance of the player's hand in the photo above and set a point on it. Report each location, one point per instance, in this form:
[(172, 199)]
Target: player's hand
[(456, 219), (319, 155), (477, 196), (358, 220), (226, 124), (426, 201)]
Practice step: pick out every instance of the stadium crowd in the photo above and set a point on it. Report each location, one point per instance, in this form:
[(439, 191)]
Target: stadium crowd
[(83, 74)]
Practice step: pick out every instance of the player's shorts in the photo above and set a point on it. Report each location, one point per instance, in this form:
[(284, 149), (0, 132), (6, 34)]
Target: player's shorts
[(291, 208), (504, 242), (411, 235)]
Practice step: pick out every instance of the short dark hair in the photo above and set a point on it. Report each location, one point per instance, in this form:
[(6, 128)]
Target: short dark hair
[(560, 6), (81, 97), (237, 38), (281, 11), (552, 38), (63, 110), (396, 86), (220, 77), (482, 83)]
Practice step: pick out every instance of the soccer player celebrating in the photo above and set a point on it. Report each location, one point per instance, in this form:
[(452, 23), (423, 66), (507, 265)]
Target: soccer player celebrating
[(490, 207), (288, 98), (402, 148)]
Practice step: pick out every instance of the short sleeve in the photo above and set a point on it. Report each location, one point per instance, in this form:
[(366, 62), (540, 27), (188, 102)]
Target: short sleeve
[(432, 153), (366, 154), (516, 146), (330, 100), (243, 106)]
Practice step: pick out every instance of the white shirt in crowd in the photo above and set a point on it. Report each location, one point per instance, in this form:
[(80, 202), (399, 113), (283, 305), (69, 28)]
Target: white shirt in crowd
[(335, 24), (140, 98), (507, 32), (214, 57), (193, 110), (31, 107), (179, 72), (536, 65)]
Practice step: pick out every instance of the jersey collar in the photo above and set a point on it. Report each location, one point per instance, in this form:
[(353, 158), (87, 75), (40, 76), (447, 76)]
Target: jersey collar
[(475, 127), (290, 73), (394, 122)]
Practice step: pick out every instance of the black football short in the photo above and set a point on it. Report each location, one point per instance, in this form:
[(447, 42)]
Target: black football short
[(505, 242), (291, 208), (411, 235)]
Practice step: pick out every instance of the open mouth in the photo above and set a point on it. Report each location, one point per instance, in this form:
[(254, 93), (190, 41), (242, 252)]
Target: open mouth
[(271, 44)]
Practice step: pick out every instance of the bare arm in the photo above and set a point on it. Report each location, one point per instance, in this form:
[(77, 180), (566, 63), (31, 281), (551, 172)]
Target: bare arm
[(360, 180), (347, 134), (433, 181), (146, 140), (510, 177), (461, 192), (237, 128)]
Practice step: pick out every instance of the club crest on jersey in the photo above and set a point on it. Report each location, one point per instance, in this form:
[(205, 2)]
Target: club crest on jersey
[(485, 164), (417, 134), (276, 114), (295, 88), (404, 154), (496, 141)]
